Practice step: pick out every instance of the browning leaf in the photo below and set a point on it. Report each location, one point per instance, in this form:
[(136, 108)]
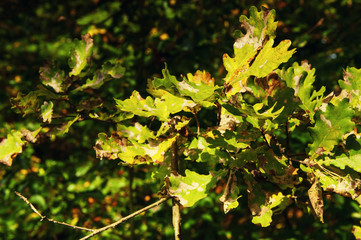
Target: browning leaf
[(315, 196)]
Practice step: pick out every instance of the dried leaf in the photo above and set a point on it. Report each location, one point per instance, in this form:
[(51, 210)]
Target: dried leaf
[(316, 198)]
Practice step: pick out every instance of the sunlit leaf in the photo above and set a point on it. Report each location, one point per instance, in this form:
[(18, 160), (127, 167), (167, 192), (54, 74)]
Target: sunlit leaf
[(199, 91), (356, 230), (301, 79), (190, 188), (259, 25), (344, 186), (254, 51), (132, 152), (330, 128), (10, 147), (137, 132), (159, 107), (80, 54), (230, 194), (351, 85)]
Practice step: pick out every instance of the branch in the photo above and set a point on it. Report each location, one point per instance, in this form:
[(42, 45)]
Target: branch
[(176, 218), (49, 219), (113, 225)]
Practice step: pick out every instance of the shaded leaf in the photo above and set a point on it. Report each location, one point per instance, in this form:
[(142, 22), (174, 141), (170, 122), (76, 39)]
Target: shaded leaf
[(65, 127), (263, 204), (52, 76), (230, 194), (47, 111), (111, 69)]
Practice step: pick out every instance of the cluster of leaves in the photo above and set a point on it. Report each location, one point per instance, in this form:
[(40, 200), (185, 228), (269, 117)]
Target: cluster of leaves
[(260, 109)]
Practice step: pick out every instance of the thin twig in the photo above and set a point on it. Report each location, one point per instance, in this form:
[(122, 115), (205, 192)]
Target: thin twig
[(288, 142), (197, 121), (49, 219), (131, 200), (264, 137), (113, 225)]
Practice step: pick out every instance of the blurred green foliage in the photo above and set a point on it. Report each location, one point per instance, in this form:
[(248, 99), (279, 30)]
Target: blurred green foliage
[(63, 177)]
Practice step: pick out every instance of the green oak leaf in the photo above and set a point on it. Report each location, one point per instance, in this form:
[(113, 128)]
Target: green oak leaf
[(351, 158), (138, 132), (190, 188), (254, 54), (353, 161), (330, 128), (256, 114), (276, 202), (200, 151), (269, 58), (199, 92), (230, 194), (284, 98), (259, 25), (351, 85), (82, 50), (263, 204), (131, 152), (65, 127), (227, 140), (301, 79), (108, 147), (154, 152), (47, 111), (111, 69), (31, 102), (160, 107), (27, 104), (344, 186)]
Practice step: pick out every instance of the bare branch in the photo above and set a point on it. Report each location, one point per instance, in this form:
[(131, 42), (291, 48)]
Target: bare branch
[(113, 225), (49, 219), (176, 219)]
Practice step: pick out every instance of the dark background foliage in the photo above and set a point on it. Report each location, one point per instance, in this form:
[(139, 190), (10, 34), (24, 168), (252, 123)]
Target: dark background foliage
[(63, 178)]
